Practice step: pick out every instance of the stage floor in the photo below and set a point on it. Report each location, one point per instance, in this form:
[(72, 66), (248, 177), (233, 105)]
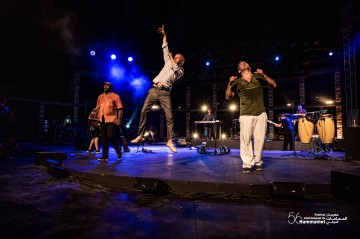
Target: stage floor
[(210, 196), (189, 171)]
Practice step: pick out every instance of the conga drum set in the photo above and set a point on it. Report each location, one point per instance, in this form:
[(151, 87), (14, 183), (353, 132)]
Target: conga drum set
[(316, 123)]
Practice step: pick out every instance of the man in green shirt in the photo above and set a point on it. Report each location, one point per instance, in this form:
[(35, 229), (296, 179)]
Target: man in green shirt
[(253, 118)]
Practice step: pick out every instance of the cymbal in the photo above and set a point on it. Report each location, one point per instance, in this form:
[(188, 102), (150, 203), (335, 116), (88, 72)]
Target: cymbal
[(235, 120), (299, 114)]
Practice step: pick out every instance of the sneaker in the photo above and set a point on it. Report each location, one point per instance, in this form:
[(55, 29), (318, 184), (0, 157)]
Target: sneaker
[(247, 170), (103, 158), (258, 168), (127, 150), (97, 151), (171, 147), (89, 150), (136, 140)]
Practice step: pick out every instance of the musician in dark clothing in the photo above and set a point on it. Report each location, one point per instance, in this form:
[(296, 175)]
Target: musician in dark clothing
[(288, 131), (208, 128)]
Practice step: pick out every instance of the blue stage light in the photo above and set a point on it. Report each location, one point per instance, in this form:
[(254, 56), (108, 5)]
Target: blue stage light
[(113, 56), (330, 53), (130, 59), (92, 53), (277, 58), (207, 63)]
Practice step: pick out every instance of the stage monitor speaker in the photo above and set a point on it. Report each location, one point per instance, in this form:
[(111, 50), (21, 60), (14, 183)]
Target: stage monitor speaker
[(346, 185), (50, 163), (288, 189), (59, 172), (351, 138), (152, 185)]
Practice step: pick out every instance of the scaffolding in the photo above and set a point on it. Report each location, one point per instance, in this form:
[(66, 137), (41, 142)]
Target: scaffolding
[(351, 106)]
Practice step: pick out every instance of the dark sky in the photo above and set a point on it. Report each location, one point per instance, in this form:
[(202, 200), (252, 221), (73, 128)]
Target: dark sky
[(43, 41)]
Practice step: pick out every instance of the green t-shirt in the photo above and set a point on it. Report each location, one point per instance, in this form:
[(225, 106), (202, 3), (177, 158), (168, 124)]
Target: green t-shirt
[(250, 94)]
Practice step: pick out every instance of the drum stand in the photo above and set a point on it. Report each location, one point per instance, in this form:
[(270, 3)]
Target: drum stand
[(317, 151)]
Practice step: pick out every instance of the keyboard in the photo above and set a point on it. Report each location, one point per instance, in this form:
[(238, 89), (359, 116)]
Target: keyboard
[(207, 122)]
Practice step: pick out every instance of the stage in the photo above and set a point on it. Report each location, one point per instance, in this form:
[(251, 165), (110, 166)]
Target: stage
[(189, 171)]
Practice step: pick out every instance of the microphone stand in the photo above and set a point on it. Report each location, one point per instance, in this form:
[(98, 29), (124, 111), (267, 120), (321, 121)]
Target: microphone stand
[(215, 130), (293, 142), (294, 151)]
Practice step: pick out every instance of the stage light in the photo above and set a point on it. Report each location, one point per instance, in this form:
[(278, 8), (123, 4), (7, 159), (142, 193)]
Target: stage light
[(204, 108), (329, 102), (92, 53), (330, 53), (223, 136), (130, 59), (127, 126), (232, 107), (155, 107), (113, 56), (288, 104), (277, 58), (195, 136), (207, 63)]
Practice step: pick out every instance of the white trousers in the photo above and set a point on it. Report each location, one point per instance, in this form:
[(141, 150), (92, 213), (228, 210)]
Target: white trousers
[(252, 139)]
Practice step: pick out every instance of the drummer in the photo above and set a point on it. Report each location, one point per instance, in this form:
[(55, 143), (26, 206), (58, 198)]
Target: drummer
[(300, 110)]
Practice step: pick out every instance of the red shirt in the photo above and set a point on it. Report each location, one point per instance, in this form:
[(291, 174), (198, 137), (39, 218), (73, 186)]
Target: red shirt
[(108, 104)]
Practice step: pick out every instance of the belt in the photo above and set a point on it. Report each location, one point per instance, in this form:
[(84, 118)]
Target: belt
[(162, 88)]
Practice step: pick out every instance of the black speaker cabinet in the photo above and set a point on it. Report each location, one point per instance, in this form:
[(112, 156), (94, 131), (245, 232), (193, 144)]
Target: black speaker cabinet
[(346, 185), (351, 139), (287, 189), (50, 163)]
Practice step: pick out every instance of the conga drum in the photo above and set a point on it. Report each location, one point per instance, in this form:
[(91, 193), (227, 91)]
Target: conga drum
[(306, 129), (326, 128)]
